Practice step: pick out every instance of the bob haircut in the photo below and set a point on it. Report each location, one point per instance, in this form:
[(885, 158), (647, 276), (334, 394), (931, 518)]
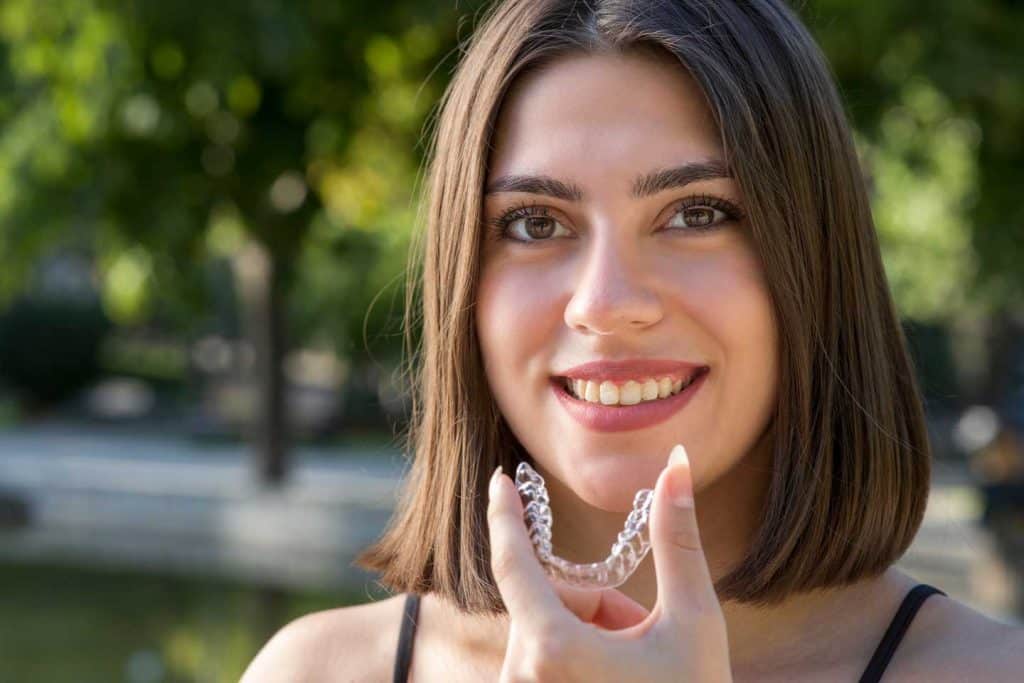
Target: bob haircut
[(851, 460)]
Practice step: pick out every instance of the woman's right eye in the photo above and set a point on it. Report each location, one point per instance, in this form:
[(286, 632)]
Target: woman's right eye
[(526, 224)]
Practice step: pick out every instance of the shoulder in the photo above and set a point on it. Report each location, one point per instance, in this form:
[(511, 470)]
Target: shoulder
[(354, 643), (951, 641)]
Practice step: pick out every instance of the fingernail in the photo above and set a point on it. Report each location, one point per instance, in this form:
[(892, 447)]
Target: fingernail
[(680, 483), (493, 482), (678, 456)]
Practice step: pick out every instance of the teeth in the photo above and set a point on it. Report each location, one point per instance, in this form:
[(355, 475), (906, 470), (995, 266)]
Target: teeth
[(609, 393), (628, 394), (650, 390)]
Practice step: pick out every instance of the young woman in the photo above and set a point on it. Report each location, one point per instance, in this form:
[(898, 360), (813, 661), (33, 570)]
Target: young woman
[(627, 196)]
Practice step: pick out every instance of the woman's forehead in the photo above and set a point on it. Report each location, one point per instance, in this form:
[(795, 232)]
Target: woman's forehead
[(630, 113)]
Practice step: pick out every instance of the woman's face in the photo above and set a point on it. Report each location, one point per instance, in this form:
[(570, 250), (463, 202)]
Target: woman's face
[(606, 261)]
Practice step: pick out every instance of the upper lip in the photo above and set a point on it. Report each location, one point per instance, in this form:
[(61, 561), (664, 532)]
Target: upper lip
[(622, 370)]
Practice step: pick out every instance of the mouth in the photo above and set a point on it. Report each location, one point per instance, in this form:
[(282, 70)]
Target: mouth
[(608, 406), (629, 392)]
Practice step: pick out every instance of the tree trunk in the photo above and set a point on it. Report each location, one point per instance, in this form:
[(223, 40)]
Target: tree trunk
[(260, 287)]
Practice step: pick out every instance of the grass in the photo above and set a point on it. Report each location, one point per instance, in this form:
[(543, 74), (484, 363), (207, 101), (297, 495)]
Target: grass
[(83, 625)]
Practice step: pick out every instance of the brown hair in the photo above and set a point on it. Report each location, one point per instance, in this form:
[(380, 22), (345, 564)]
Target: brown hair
[(851, 456)]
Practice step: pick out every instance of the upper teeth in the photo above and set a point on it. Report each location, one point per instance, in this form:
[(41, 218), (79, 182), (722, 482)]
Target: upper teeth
[(629, 393)]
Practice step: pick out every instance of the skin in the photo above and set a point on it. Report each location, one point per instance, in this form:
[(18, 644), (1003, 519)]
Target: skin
[(620, 277), (618, 287), (626, 278)]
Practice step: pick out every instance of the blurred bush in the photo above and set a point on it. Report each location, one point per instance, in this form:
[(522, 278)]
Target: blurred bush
[(49, 346)]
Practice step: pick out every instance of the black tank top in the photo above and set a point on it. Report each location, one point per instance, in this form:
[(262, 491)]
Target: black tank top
[(872, 674)]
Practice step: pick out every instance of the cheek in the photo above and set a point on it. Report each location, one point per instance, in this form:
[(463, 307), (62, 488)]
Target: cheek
[(727, 298), (516, 319)]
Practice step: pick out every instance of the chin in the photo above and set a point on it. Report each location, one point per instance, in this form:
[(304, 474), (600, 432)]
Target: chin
[(608, 484)]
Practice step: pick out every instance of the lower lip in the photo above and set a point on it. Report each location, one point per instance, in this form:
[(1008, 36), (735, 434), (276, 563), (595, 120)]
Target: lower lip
[(602, 418)]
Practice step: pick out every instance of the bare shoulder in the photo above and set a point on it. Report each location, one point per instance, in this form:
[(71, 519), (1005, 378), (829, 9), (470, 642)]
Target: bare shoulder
[(354, 643), (952, 641)]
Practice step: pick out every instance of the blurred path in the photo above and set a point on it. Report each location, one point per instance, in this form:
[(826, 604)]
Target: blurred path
[(954, 552), (166, 503), (169, 504)]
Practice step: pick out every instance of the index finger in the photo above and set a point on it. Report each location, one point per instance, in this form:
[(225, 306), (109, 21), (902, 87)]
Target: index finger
[(528, 595)]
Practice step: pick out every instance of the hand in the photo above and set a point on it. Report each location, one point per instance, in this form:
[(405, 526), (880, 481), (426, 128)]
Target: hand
[(559, 633)]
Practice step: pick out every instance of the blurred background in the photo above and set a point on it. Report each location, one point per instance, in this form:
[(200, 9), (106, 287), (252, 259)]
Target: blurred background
[(205, 209)]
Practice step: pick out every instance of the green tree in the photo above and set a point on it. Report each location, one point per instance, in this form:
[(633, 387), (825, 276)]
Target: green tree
[(937, 96), (281, 135)]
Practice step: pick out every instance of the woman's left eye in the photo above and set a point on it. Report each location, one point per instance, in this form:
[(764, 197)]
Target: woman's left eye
[(704, 213), (697, 217)]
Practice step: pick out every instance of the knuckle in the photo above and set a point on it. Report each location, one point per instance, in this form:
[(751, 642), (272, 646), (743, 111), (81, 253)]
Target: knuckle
[(502, 564), (493, 513), (685, 538)]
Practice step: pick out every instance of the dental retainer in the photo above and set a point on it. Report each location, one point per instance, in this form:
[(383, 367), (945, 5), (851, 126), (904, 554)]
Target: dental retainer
[(627, 552)]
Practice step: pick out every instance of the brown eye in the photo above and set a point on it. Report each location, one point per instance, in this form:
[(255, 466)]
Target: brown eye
[(699, 216), (539, 227), (536, 225), (704, 213)]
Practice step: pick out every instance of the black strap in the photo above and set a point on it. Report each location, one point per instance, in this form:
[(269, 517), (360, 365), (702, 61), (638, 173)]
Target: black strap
[(897, 628), (403, 656)]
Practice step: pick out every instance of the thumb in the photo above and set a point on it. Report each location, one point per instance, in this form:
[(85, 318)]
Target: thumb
[(684, 581)]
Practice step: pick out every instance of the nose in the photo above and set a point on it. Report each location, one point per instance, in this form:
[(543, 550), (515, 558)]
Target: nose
[(613, 294)]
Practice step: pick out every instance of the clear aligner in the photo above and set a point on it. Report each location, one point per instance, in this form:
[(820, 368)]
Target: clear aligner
[(628, 551)]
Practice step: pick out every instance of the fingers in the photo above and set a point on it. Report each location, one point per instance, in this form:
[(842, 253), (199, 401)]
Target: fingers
[(684, 581), (609, 609), (525, 588)]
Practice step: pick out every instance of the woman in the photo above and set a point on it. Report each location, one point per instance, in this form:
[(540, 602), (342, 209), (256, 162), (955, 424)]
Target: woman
[(661, 191)]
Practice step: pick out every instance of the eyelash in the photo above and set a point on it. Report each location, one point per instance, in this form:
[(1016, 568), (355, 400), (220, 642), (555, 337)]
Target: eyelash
[(500, 225)]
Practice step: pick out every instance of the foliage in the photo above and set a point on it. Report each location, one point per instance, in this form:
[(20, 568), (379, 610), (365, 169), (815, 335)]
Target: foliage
[(937, 96), (163, 136), (49, 345)]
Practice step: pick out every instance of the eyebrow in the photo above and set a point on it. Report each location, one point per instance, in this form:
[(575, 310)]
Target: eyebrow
[(643, 186)]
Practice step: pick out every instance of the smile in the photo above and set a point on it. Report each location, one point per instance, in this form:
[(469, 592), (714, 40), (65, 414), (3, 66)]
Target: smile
[(625, 406), (628, 393)]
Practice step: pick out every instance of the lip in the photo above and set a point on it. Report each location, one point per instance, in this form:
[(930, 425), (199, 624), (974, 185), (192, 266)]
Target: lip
[(622, 370), (602, 418)]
